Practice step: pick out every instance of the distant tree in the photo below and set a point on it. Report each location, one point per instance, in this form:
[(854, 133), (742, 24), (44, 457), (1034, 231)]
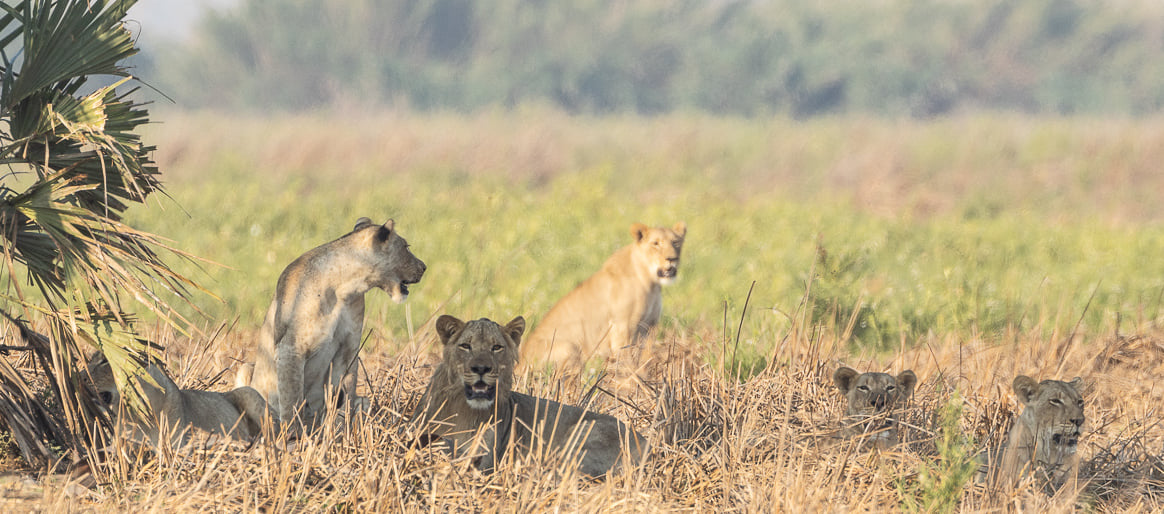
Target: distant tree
[(759, 57), (73, 163)]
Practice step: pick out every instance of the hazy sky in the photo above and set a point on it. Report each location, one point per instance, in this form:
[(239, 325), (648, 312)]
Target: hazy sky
[(169, 19)]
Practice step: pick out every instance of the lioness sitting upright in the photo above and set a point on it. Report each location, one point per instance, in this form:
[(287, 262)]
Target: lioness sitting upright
[(172, 411), (614, 308), (472, 388), (311, 335), (1045, 436), (871, 399)]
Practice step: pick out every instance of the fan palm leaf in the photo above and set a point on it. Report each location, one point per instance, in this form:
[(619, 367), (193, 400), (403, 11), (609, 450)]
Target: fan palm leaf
[(74, 163)]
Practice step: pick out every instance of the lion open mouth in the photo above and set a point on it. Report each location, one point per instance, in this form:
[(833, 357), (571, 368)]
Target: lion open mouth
[(1069, 440), (480, 393), (399, 290)]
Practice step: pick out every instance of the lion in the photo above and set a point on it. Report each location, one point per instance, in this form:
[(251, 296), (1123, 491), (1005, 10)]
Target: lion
[(311, 335), (1045, 436), (238, 413), (613, 309), (472, 388), (872, 398)]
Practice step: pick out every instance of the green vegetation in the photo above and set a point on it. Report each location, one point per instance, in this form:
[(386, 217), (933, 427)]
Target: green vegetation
[(800, 59), (931, 238), (940, 483)]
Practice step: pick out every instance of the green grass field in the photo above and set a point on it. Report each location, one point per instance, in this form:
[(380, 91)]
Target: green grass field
[(965, 227)]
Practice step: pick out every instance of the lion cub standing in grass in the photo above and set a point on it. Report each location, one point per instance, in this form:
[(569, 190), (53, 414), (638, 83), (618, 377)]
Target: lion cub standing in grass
[(472, 388), (871, 400), (311, 335), (614, 308), (238, 413)]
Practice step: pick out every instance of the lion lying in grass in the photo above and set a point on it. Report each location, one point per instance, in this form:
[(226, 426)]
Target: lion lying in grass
[(871, 399), (238, 413), (472, 388), (614, 308), (1045, 436)]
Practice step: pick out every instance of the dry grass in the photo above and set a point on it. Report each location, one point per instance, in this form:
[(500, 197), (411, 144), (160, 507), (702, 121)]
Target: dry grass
[(760, 444)]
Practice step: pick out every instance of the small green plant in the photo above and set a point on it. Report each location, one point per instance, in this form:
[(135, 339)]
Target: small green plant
[(940, 483)]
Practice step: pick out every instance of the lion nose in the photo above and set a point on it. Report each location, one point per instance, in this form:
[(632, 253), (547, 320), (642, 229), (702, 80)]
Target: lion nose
[(1078, 422), (877, 401), (480, 369)]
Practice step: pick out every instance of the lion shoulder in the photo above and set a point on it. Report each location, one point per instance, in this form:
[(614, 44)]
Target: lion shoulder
[(599, 441)]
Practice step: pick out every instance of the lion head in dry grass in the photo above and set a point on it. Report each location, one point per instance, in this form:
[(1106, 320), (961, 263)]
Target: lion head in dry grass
[(872, 398), (471, 394), (1046, 435)]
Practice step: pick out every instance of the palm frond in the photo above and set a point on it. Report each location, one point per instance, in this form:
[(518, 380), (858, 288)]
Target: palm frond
[(67, 39), (64, 231)]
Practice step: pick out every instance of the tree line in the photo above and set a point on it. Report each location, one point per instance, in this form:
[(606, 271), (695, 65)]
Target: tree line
[(916, 58)]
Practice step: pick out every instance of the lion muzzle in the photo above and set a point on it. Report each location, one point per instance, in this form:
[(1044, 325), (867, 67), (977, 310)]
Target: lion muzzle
[(670, 271), (478, 393), (1067, 437)]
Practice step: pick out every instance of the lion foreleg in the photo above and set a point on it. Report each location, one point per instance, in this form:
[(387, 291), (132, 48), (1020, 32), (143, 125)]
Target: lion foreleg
[(289, 362), (345, 373)]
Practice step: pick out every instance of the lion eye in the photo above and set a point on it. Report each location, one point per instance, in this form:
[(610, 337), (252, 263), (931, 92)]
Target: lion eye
[(863, 388), (466, 346), (890, 388), (1056, 401), (498, 348)]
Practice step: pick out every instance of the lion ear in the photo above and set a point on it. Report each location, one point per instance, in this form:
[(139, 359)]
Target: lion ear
[(361, 223), (1077, 384), (514, 329), (1024, 388), (638, 230), (844, 378), (907, 380), (680, 229), (385, 231), (448, 326)]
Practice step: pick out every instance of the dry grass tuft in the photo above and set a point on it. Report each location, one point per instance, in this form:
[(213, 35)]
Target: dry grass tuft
[(765, 443)]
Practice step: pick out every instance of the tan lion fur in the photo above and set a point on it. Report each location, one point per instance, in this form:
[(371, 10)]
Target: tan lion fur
[(1045, 436), (238, 413), (311, 335), (870, 402), (472, 386), (613, 309)]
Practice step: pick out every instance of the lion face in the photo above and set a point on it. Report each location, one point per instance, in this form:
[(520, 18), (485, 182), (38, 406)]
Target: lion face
[(482, 354), (1053, 415), (102, 375), (660, 247), (395, 267), (872, 398)]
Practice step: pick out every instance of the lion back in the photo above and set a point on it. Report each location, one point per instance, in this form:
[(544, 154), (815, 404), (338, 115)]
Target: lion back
[(600, 442)]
